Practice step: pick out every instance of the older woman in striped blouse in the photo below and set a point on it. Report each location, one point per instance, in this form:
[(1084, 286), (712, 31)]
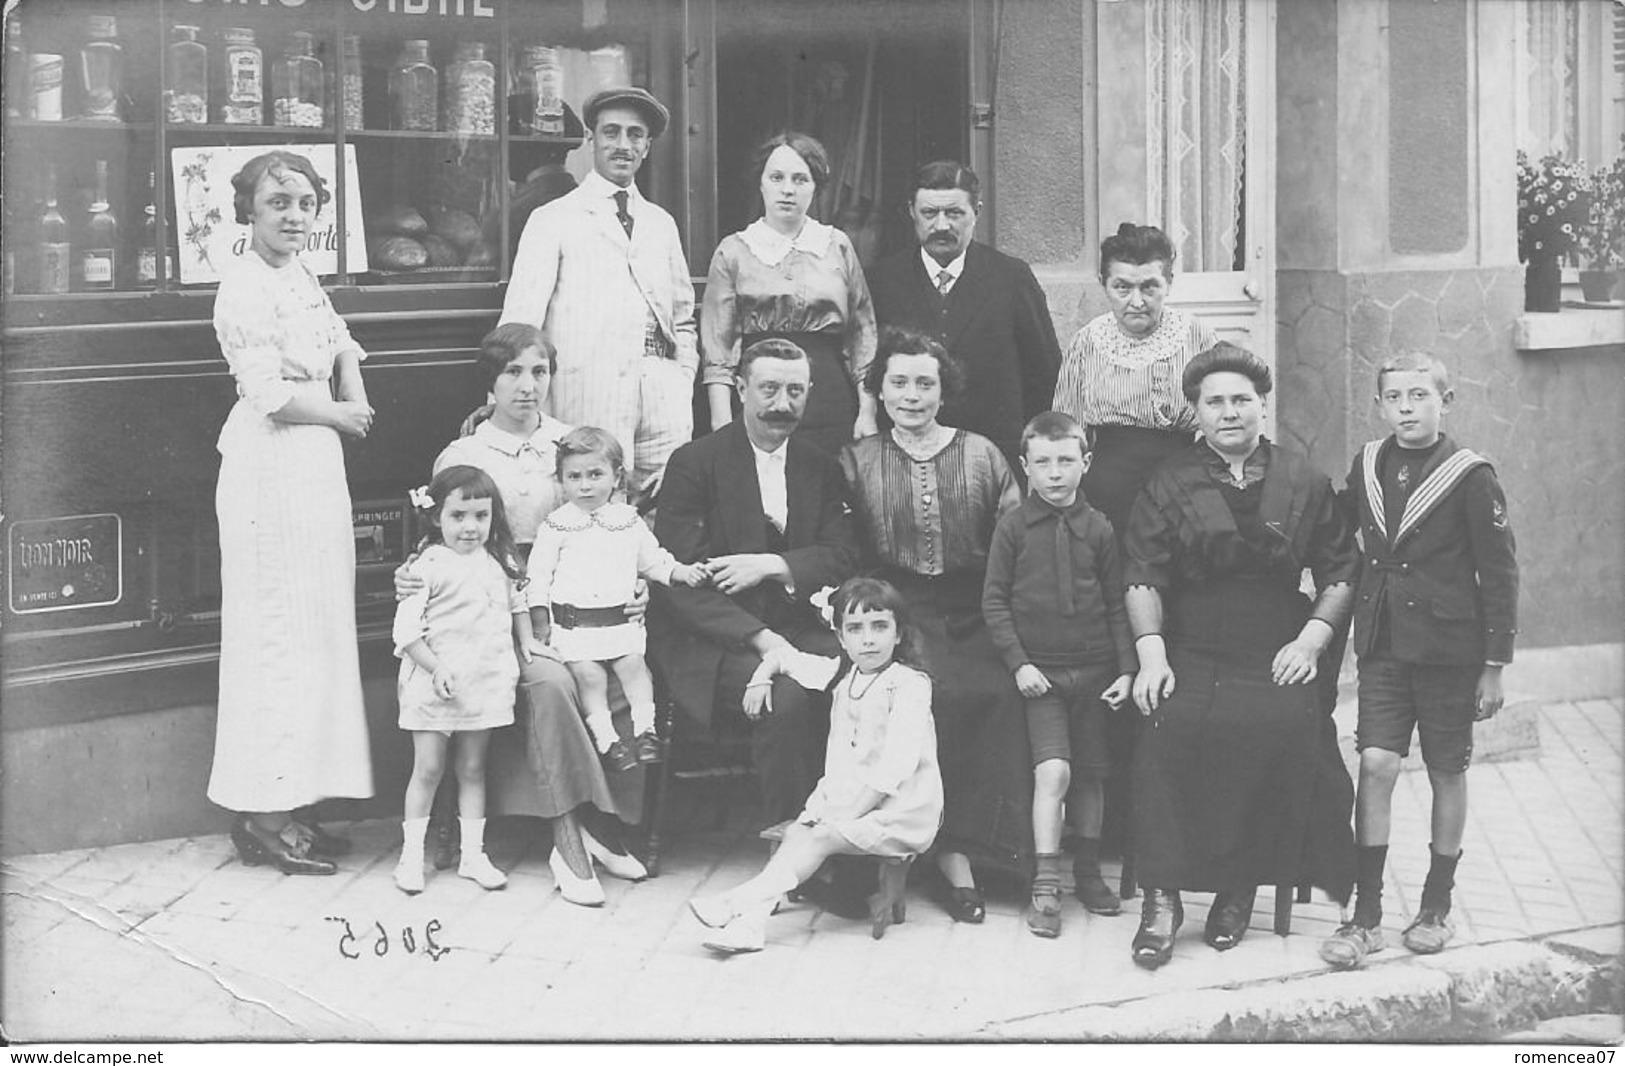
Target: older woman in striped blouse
[(1121, 372)]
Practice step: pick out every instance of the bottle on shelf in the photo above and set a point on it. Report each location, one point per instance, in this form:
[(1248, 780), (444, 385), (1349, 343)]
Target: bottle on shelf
[(17, 94), (101, 70), (299, 85), (350, 84), (186, 97), (541, 80), (54, 249), (414, 88), (471, 86), (146, 256), (244, 98), (44, 101), (99, 260)]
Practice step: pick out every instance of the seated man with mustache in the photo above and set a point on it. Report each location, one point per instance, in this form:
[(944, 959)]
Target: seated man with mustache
[(769, 514)]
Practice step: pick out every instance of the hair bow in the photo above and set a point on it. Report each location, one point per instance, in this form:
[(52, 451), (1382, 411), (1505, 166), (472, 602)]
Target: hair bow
[(821, 601), (421, 499)]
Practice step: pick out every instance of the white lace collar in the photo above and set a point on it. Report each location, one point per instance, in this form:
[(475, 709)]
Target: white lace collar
[(771, 246)]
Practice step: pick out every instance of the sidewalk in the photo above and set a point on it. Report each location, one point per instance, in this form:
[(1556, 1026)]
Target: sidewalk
[(177, 940)]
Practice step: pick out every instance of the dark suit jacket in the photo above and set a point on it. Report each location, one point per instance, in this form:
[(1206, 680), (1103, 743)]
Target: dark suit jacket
[(996, 324), (710, 505), (1445, 577)]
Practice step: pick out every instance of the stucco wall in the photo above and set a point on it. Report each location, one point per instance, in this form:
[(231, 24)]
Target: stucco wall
[(1548, 421)]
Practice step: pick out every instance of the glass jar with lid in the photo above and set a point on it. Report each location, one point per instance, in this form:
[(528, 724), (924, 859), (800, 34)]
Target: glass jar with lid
[(101, 69), (541, 88), (186, 97), (243, 102), (298, 84), (414, 88), (350, 84), (471, 86)]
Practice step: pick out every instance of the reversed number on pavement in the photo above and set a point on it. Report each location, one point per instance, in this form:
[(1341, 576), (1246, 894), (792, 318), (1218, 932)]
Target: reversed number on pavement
[(353, 946)]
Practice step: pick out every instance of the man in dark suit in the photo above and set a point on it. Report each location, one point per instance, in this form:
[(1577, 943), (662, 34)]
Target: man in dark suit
[(768, 513), (984, 306)]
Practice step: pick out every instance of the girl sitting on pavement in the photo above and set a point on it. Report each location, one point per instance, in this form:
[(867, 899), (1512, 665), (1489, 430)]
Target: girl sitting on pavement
[(456, 637), (881, 793)]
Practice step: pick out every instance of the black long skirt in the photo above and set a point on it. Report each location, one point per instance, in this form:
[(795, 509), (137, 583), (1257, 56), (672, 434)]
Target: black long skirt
[(1237, 781)]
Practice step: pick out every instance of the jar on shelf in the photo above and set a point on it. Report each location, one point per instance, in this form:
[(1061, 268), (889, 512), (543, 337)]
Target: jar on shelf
[(414, 88), (298, 84), (541, 88), (186, 97), (244, 103), (471, 87), (101, 69), (350, 84)]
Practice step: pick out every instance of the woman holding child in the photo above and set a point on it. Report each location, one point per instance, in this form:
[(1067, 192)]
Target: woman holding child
[(546, 765), (1237, 781), (927, 497)]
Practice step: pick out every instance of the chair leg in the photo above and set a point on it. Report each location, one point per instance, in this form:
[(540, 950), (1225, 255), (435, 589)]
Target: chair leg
[(1127, 886), (889, 904), (1283, 910), (655, 800)]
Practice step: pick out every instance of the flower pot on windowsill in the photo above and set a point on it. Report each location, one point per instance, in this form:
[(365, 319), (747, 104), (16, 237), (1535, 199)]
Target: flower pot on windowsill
[(1598, 285), (1543, 284)]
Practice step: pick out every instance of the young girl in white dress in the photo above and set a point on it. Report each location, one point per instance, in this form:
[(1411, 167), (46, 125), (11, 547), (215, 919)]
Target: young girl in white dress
[(881, 793), (456, 638), (588, 556)]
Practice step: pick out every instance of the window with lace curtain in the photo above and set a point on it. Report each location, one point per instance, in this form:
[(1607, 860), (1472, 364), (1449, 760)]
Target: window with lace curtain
[(1196, 123), (1569, 58)]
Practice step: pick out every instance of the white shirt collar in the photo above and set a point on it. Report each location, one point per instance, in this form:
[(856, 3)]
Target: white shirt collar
[(511, 444), (600, 189), (955, 267), (770, 479), (771, 246)]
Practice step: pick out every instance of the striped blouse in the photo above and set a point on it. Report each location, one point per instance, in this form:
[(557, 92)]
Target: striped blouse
[(932, 516), (1111, 379)]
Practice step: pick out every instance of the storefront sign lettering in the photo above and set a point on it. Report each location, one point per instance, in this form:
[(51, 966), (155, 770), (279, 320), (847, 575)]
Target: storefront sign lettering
[(380, 532), (54, 564), (478, 9)]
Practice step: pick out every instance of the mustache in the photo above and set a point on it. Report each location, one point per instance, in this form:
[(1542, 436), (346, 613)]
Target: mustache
[(779, 417)]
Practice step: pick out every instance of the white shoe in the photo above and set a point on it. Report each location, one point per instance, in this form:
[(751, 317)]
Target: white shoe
[(477, 867), (409, 873), (747, 932), (582, 891), (713, 912), (626, 867)]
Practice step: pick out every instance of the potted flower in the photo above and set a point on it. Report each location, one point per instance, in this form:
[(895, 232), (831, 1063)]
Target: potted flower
[(1603, 239), (1554, 206)]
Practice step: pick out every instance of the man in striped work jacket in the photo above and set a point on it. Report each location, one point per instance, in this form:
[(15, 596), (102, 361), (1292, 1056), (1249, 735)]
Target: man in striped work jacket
[(601, 272)]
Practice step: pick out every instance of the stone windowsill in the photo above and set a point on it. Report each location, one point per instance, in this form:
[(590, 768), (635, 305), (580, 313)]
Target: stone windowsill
[(1573, 327)]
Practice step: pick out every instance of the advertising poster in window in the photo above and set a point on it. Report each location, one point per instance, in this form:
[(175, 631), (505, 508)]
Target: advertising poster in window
[(210, 235)]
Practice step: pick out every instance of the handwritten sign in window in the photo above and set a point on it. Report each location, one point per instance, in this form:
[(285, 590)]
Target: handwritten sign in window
[(57, 564)]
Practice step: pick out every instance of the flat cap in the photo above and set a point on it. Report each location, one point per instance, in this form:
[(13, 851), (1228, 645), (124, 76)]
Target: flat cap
[(653, 111)]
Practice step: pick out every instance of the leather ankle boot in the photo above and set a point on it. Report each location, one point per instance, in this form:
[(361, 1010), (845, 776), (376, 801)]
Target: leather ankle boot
[(1161, 915), (1227, 920)]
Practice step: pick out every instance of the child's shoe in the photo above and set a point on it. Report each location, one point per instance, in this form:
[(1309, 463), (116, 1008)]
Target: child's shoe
[(1087, 884), (646, 747), (1347, 948), (409, 872), (713, 912), (1044, 915), (747, 932), (619, 756), (478, 868), (1429, 933)]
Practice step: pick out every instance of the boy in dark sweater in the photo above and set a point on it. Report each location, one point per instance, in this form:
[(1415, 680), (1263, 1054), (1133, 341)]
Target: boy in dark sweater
[(1434, 619), (1053, 602)]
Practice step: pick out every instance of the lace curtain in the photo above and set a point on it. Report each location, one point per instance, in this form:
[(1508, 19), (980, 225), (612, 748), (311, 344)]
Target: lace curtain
[(1547, 57), (1195, 127)]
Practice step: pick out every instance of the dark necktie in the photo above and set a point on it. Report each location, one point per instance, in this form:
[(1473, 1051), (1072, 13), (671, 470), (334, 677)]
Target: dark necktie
[(621, 212), (944, 280)]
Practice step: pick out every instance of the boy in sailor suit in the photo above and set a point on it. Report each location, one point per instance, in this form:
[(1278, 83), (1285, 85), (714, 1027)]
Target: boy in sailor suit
[(1434, 619)]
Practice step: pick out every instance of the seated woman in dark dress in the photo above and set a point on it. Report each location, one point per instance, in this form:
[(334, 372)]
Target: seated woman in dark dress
[(1237, 779)]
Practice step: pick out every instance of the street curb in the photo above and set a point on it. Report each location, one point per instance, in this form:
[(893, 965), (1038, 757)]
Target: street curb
[(1470, 993)]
